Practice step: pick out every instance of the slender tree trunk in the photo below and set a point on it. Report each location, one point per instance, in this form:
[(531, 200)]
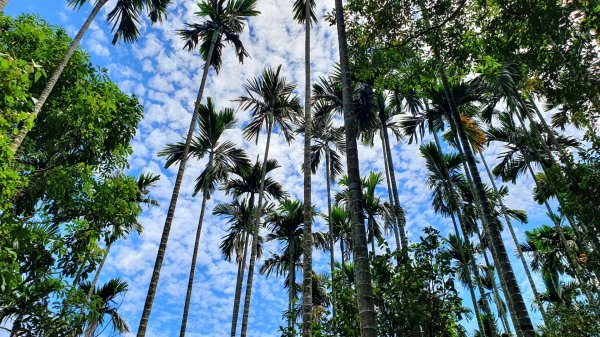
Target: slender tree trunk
[(497, 297), (512, 290), (307, 238), (372, 236), (188, 296), (93, 285), (3, 4), (255, 234), (471, 264), (331, 239), (16, 143), (292, 285), (362, 274), (469, 281), (397, 212), (160, 255), (536, 295), (342, 254), (389, 190), (240, 276)]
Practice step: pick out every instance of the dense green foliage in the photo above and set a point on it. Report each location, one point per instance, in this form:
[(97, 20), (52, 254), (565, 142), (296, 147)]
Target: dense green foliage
[(71, 199)]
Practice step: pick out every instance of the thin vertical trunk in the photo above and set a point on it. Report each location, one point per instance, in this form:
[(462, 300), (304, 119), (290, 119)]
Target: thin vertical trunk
[(3, 4), (292, 286), (389, 190), (240, 276), (37, 108), (508, 279), (472, 264), (160, 255), (536, 295), (390, 165), (188, 295), (331, 239), (342, 253), (255, 234), (497, 297), (94, 281), (469, 281), (307, 238), (362, 274)]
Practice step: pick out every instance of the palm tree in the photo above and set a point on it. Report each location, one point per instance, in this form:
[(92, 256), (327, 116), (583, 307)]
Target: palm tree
[(3, 4), (105, 304), (304, 13), (247, 185), (339, 222), (223, 158), (455, 103), (272, 102), (222, 19), (286, 225), (328, 141), (373, 208), (385, 115), (364, 288), (124, 17)]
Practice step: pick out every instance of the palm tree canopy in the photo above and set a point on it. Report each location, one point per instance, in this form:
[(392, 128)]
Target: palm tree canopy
[(271, 101), (223, 156), (104, 302), (221, 19), (248, 181), (240, 216), (330, 139), (125, 16)]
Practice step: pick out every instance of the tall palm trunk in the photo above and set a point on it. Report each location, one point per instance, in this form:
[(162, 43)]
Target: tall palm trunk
[(188, 295), (16, 143), (3, 4), (292, 285), (342, 253), (362, 274), (160, 255), (240, 276), (255, 233), (389, 190), (471, 264), (497, 298), (507, 277), (307, 238), (536, 294), (390, 165), (331, 239), (469, 282)]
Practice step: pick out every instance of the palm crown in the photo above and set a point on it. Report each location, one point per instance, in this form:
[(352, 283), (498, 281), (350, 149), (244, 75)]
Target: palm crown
[(272, 102), (223, 156), (222, 19)]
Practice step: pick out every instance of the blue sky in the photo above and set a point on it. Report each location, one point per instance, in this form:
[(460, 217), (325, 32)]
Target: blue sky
[(166, 79)]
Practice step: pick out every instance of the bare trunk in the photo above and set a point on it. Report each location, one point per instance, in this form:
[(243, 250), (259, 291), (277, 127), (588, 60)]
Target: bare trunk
[(160, 255), (390, 164), (3, 4), (292, 285), (469, 281), (16, 143), (507, 277), (188, 296), (240, 276), (331, 238), (362, 274), (536, 295), (255, 233), (389, 190), (307, 238)]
